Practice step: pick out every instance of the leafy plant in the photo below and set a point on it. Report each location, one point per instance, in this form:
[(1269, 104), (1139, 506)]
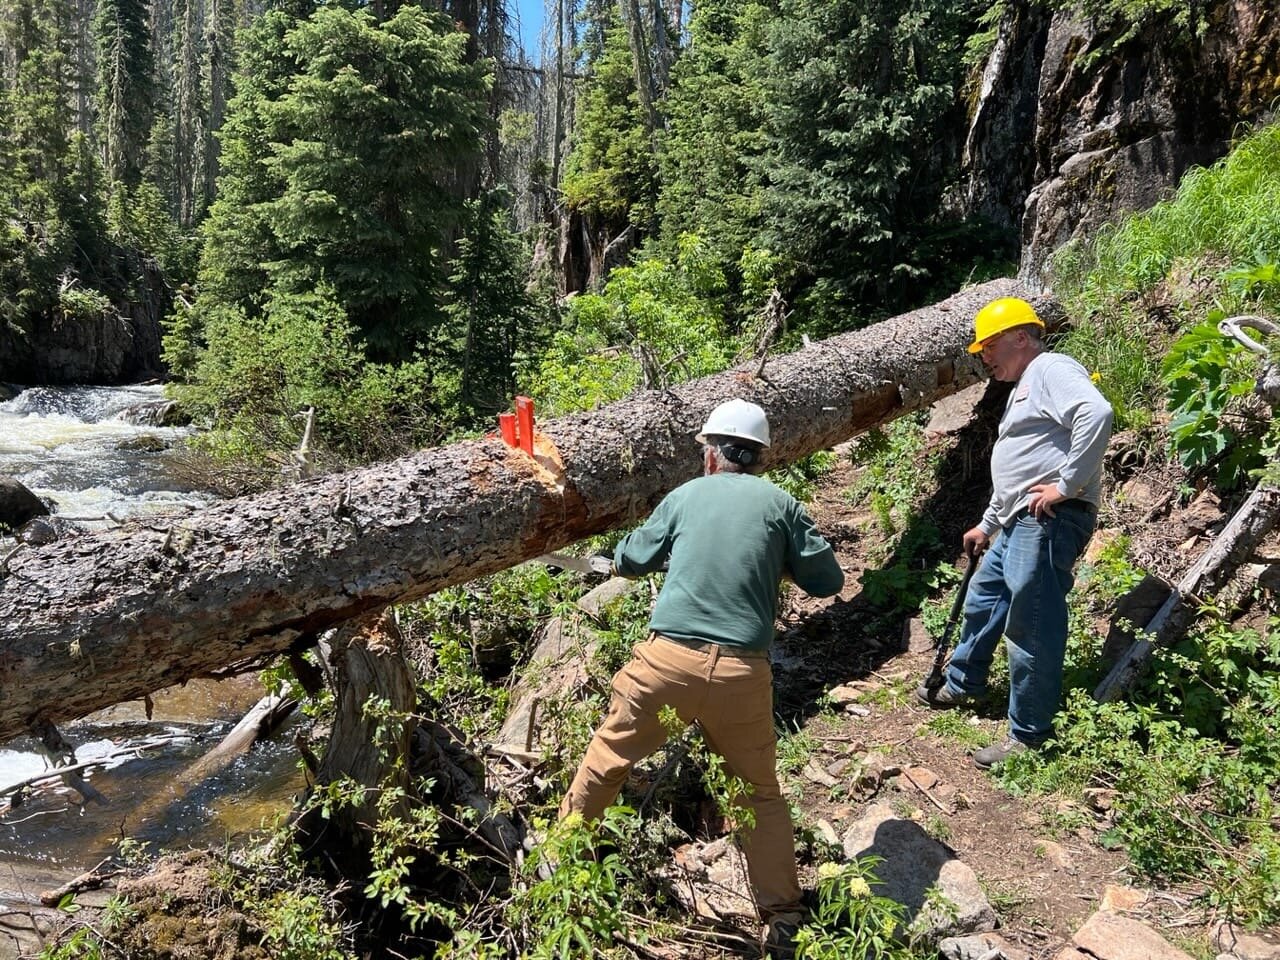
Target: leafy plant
[(852, 921), (1206, 375), (578, 907)]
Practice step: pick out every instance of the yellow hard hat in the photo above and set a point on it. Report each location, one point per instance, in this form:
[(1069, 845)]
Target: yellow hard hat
[(999, 316)]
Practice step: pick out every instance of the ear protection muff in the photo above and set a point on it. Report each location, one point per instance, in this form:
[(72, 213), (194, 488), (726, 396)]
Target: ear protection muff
[(742, 456)]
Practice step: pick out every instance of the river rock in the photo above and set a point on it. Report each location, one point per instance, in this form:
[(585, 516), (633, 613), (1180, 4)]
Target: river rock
[(143, 443), (8, 392), (912, 864), (1109, 936), (154, 413), (37, 532), (18, 504)]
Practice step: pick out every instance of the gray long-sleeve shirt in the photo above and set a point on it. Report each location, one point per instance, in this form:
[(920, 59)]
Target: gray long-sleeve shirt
[(1054, 430)]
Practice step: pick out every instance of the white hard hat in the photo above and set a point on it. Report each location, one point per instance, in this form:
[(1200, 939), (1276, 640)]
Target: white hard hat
[(736, 418)]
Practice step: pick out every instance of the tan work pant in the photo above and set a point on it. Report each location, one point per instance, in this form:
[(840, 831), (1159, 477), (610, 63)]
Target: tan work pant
[(732, 698)]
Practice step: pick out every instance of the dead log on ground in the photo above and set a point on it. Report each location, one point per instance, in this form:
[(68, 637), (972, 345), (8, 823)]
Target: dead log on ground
[(1236, 544), (102, 618)]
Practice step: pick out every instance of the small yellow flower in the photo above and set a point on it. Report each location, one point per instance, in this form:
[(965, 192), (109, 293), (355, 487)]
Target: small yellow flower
[(858, 888), (1096, 377), (828, 870)]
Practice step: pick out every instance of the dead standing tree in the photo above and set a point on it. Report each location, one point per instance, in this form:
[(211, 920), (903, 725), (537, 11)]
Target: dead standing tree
[(113, 616)]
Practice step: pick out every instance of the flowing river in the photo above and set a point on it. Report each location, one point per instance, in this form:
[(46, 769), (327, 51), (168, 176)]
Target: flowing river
[(81, 450)]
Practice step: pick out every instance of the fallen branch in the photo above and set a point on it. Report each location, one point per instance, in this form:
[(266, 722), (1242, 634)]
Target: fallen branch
[(60, 773), (91, 880), (1237, 542)]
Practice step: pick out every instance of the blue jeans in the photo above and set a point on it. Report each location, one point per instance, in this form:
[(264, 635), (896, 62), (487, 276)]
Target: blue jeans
[(1019, 591)]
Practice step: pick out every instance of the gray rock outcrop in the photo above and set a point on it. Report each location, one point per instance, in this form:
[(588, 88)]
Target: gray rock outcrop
[(1073, 129)]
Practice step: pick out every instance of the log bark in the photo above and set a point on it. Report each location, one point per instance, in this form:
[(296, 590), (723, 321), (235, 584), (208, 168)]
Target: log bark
[(112, 616)]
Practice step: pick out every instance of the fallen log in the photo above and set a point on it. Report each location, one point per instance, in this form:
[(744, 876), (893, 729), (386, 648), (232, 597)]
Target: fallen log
[(106, 617), (1241, 536)]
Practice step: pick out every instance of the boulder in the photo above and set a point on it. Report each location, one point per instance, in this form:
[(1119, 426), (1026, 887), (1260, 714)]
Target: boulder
[(1260, 945), (913, 864), (1133, 612), (596, 601), (154, 413), (557, 668), (1109, 936), (18, 504), (981, 946)]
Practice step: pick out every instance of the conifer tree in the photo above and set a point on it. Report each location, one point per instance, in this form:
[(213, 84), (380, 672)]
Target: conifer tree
[(857, 91), (336, 154), (491, 316), (126, 89), (715, 117), (611, 173), (188, 119)]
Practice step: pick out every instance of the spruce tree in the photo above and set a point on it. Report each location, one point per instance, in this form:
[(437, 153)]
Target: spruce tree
[(126, 89), (491, 316), (857, 92), (611, 173), (715, 131), (335, 169)]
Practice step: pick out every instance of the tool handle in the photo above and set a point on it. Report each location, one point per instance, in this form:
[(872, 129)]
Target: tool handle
[(935, 679)]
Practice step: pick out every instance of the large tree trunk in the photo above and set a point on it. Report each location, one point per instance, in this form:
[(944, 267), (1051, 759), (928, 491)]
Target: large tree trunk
[(112, 616)]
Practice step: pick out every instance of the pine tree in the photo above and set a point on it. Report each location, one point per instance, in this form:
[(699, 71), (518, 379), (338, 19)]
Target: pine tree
[(126, 91), (219, 59), (857, 92)]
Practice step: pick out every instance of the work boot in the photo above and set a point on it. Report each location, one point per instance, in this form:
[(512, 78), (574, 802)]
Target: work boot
[(941, 698), (780, 936), (990, 757)]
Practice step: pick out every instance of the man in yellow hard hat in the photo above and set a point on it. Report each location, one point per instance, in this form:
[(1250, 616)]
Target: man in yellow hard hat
[(1046, 473), (727, 538)]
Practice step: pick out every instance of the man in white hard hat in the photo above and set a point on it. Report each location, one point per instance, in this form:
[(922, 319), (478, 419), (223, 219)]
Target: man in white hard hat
[(728, 538), (1046, 473)]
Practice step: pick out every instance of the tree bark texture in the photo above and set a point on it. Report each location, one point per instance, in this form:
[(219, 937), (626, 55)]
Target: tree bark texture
[(107, 617)]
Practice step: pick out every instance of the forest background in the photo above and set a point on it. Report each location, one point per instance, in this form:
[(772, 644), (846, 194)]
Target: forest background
[(388, 213)]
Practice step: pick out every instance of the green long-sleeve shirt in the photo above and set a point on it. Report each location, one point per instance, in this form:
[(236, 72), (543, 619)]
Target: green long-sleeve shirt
[(729, 538)]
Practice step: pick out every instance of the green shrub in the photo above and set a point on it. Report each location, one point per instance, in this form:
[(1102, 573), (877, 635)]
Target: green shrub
[(850, 920), (258, 374)]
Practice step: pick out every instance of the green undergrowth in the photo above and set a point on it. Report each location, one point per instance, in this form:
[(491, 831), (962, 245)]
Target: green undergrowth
[(1191, 752), (1141, 283)]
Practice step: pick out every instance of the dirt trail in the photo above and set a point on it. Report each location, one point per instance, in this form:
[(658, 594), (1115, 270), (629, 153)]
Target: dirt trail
[(1038, 858)]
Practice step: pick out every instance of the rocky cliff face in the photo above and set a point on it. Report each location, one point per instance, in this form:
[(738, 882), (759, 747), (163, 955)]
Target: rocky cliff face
[(1071, 130), (118, 345)]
